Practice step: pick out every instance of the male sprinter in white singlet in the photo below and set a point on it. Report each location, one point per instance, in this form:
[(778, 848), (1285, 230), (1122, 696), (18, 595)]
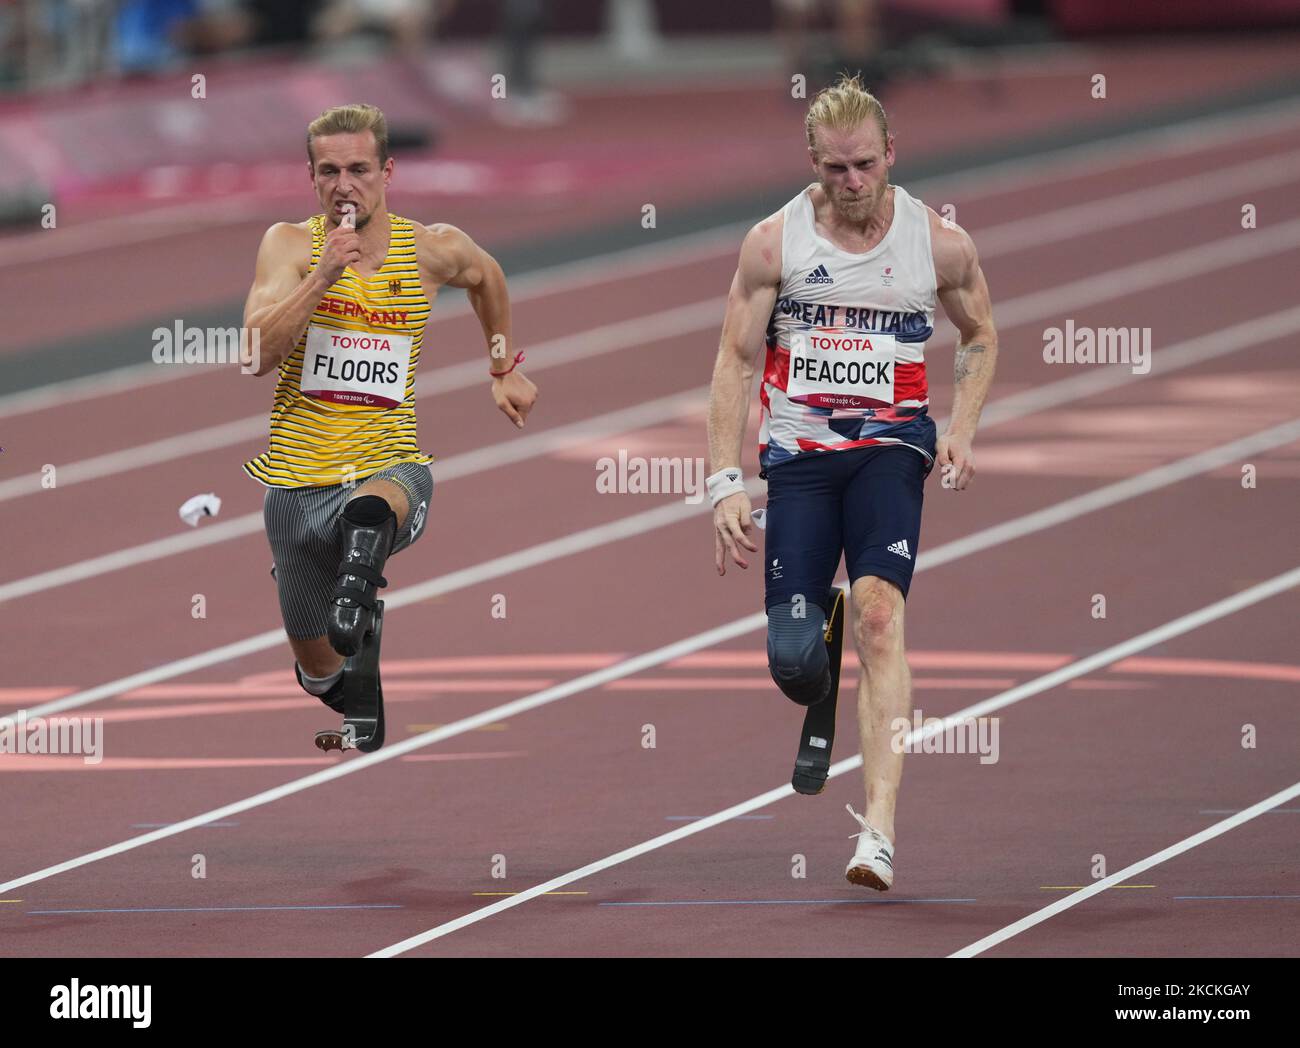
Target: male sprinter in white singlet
[(841, 283), (340, 303)]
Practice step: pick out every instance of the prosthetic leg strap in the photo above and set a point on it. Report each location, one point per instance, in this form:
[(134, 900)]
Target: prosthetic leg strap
[(359, 571), (368, 530)]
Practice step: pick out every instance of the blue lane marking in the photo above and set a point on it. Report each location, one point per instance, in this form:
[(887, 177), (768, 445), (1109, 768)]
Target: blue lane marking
[(224, 909), (697, 818), (1182, 897), (783, 902), (160, 825)]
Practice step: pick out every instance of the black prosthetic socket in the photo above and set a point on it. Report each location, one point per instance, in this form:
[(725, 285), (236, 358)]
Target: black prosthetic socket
[(796, 651), (368, 528)]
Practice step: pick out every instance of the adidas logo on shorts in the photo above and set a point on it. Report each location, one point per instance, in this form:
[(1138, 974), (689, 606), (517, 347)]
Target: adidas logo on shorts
[(819, 276), (900, 547)]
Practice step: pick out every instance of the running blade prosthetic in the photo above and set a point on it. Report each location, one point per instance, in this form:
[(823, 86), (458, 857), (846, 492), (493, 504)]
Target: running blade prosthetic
[(813, 763), (363, 697)]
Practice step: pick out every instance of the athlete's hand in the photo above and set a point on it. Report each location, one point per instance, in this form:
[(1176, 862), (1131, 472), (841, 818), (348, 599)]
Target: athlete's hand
[(732, 525), (515, 395), (956, 461), (342, 249)]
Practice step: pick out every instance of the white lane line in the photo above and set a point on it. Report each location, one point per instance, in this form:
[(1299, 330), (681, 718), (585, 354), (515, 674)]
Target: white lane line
[(996, 178), (140, 226), (1140, 205), (684, 320), (1161, 477), (119, 230), (482, 460), (1187, 844), (993, 241), (537, 284), (1113, 494), (392, 751), (1249, 334), (1127, 281), (568, 349), (124, 379), (498, 567), (1183, 138), (1081, 667)]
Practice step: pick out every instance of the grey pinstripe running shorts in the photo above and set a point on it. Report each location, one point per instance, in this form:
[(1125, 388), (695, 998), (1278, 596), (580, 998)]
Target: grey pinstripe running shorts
[(302, 525)]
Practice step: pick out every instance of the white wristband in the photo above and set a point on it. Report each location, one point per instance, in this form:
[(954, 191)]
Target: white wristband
[(725, 482)]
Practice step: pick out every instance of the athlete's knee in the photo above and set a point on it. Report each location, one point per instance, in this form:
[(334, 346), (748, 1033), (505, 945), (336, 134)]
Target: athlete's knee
[(368, 511), (796, 651), (390, 492), (877, 618)]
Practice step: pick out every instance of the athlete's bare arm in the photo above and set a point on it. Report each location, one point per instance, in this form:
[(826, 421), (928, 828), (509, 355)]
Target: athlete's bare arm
[(964, 296), (448, 256), (749, 308), (284, 294)]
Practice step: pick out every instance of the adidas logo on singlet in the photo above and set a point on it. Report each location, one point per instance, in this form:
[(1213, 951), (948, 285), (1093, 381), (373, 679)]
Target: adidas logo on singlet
[(900, 547), (819, 276)]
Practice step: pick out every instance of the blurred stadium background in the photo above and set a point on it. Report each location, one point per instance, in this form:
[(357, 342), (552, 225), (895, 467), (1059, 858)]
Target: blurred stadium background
[(611, 104)]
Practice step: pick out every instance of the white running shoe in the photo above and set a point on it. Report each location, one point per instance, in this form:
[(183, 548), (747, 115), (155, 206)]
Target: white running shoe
[(873, 862)]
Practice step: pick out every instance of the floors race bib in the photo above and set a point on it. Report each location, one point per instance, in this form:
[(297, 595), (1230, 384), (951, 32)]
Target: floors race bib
[(356, 367)]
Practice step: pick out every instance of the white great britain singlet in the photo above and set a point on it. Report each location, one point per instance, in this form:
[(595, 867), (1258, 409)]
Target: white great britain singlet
[(846, 342)]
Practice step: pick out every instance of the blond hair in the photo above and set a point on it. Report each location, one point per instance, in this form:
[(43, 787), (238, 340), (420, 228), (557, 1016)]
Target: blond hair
[(845, 105), (350, 120)]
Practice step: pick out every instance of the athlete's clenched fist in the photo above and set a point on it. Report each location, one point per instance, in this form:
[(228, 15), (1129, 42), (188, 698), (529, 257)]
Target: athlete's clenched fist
[(342, 249)]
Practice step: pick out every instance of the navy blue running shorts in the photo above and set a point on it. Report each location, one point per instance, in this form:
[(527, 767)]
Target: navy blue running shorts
[(864, 503)]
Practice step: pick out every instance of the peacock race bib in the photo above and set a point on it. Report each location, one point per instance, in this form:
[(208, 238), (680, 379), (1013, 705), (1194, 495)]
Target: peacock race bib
[(836, 369)]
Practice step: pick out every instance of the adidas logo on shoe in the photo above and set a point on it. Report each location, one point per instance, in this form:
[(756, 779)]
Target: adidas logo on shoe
[(819, 276), (900, 547)]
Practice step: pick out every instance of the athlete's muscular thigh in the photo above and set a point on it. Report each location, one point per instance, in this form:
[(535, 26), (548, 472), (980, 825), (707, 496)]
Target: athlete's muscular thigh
[(804, 536)]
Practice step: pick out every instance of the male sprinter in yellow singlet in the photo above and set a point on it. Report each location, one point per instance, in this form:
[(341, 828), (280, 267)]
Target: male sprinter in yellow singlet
[(842, 283), (340, 303)]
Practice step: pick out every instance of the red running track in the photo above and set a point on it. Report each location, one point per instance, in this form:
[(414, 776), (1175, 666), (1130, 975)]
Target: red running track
[(1120, 762)]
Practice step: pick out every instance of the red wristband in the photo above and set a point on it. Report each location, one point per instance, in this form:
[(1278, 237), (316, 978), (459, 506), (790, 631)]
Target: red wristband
[(519, 359)]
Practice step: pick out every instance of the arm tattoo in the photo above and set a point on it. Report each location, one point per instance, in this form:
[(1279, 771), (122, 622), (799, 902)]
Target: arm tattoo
[(965, 366)]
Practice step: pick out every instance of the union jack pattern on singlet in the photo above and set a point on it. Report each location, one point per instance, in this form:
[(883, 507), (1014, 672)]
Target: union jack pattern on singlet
[(856, 322)]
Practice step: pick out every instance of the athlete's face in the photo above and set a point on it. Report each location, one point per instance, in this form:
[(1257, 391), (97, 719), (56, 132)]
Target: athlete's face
[(348, 171), (853, 168)]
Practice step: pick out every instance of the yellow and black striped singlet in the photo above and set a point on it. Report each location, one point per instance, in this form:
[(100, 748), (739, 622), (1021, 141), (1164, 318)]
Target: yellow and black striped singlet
[(319, 440)]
